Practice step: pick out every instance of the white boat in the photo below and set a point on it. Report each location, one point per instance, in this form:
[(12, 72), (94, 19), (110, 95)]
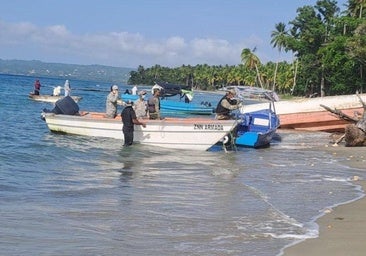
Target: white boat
[(308, 113), (50, 98), (178, 133)]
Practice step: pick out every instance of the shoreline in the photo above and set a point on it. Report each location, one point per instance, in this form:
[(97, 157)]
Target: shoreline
[(342, 230)]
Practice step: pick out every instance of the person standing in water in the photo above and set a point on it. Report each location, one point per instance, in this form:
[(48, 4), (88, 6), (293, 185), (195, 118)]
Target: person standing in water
[(129, 120)]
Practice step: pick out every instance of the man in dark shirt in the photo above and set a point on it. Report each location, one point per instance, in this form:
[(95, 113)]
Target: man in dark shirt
[(129, 120), (226, 105)]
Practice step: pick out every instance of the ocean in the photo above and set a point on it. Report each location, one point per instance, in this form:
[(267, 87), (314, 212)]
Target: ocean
[(75, 195)]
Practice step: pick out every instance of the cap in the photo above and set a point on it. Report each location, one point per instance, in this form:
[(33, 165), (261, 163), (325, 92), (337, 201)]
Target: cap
[(143, 92), (232, 91), (114, 87), (129, 103)]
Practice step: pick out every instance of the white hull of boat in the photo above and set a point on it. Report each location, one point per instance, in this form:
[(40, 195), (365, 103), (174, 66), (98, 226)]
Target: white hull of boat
[(50, 98), (177, 133), (308, 114), (310, 104)]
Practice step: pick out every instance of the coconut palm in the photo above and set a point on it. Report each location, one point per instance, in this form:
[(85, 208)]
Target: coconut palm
[(279, 39), (250, 60)]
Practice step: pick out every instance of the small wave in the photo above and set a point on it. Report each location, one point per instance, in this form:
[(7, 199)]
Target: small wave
[(309, 234)]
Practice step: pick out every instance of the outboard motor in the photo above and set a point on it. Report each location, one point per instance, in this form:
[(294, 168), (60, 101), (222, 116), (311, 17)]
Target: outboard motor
[(64, 106)]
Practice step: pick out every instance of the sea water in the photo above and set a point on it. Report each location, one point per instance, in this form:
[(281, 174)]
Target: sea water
[(75, 195)]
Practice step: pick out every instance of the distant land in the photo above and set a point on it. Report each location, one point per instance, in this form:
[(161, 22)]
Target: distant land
[(36, 68)]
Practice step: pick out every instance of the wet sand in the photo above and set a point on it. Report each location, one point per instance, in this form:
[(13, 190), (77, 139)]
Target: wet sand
[(342, 231)]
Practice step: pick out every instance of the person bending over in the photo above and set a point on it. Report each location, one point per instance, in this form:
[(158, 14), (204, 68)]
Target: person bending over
[(226, 105)]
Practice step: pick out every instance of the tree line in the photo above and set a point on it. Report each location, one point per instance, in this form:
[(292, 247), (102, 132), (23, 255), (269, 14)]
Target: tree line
[(328, 48)]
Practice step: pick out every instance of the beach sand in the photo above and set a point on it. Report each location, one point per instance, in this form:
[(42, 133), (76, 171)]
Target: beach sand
[(342, 231)]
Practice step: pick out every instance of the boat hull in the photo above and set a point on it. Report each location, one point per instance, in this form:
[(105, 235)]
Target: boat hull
[(257, 128), (308, 114), (177, 133), (51, 99)]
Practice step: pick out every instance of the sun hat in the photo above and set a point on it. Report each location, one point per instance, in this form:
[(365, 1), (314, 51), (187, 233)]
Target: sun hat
[(114, 87), (232, 91), (143, 92)]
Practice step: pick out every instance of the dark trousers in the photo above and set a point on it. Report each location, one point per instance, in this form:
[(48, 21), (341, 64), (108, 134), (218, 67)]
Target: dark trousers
[(128, 138)]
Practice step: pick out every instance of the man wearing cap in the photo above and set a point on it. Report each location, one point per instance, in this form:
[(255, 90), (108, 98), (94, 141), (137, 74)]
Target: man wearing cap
[(129, 119), (112, 100), (154, 105), (226, 104), (140, 105)]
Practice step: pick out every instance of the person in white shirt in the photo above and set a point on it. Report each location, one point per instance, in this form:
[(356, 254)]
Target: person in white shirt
[(57, 91), (134, 90), (67, 88)]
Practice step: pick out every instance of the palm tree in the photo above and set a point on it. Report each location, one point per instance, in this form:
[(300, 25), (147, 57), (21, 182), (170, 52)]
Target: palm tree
[(250, 60), (279, 39), (355, 8)]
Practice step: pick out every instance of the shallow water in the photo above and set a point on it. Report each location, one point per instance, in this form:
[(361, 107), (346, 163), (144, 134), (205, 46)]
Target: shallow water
[(74, 195)]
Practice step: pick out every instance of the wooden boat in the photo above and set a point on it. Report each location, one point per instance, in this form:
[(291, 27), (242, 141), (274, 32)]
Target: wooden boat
[(257, 127), (177, 133), (50, 98), (174, 106), (308, 114)]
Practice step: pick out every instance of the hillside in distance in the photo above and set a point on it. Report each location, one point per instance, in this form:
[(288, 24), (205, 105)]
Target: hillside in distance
[(38, 68)]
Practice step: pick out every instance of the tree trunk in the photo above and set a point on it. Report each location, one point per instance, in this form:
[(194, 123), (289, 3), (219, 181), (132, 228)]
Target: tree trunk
[(322, 89)]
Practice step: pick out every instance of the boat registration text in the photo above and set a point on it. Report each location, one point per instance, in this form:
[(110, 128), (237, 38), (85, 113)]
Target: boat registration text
[(212, 127)]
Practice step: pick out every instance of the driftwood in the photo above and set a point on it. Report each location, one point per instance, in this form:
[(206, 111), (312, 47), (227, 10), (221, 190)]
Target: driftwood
[(340, 114), (354, 136), (355, 133)]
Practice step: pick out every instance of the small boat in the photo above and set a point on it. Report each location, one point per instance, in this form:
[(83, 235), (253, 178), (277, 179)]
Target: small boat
[(257, 128), (175, 106), (51, 98), (308, 113), (178, 133)]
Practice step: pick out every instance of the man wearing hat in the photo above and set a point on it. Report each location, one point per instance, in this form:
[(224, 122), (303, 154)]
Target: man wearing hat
[(140, 105), (129, 120), (154, 105), (226, 104), (111, 103)]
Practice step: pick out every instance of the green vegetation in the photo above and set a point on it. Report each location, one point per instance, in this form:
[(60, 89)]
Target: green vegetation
[(329, 50)]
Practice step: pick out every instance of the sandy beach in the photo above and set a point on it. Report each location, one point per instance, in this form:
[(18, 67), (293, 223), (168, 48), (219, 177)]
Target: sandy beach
[(342, 231)]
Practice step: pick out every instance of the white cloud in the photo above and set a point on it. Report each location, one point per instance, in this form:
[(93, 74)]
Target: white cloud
[(57, 44)]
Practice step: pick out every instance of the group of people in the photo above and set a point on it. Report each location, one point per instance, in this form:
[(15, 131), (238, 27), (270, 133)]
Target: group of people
[(144, 108), (56, 90), (133, 112)]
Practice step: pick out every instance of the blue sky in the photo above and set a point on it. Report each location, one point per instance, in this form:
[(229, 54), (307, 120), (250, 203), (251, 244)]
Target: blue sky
[(143, 32)]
